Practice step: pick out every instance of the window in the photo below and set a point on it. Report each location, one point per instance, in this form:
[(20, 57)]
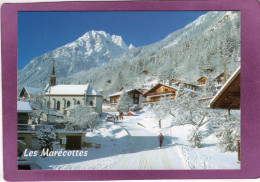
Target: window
[(48, 103), (78, 103), (91, 103), (68, 104), (58, 105), (136, 95), (166, 90)]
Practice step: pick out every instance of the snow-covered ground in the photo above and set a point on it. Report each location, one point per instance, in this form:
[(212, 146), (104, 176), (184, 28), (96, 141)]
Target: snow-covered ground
[(207, 157), (133, 144), (114, 141)]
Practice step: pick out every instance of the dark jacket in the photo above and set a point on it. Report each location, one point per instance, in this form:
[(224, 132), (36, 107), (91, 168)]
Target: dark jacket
[(160, 137)]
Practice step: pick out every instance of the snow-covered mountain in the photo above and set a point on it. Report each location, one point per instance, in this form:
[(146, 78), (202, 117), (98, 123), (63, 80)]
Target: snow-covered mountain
[(93, 49), (208, 42)]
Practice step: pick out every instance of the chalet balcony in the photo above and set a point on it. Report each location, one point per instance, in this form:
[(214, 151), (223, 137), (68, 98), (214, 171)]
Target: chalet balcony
[(29, 127), (25, 127), (154, 100), (161, 93)]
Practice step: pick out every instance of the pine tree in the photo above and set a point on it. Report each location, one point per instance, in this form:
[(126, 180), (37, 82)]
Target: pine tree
[(195, 138), (46, 138), (229, 133)]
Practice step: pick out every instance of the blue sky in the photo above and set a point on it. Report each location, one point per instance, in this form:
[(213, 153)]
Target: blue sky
[(41, 32)]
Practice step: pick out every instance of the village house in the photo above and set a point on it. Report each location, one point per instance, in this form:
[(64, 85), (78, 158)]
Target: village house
[(221, 79), (134, 94), (71, 140), (208, 70), (177, 82), (162, 90), (42, 112), (228, 97), (29, 92), (202, 81), (61, 97), (26, 130)]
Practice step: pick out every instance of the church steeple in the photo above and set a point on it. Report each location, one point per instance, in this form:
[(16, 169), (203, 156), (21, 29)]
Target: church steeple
[(53, 77)]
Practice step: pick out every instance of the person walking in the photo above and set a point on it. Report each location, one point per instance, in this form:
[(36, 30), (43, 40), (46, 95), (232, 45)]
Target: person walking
[(161, 138), (122, 116)]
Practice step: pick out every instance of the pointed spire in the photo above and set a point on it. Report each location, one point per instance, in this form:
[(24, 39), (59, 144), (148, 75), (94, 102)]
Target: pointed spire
[(53, 77), (53, 69)]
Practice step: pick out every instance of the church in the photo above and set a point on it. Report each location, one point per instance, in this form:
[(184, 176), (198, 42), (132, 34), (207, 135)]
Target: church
[(61, 97)]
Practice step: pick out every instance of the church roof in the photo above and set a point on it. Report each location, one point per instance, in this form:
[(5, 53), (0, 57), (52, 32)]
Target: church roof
[(72, 90)]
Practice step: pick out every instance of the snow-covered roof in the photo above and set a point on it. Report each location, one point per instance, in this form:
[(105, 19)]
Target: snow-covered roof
[(225, 85), (170, 86), (173, 87), (45, 110), (119, 93), (32, 91), (24, 107), (70, 132), (72, 90)]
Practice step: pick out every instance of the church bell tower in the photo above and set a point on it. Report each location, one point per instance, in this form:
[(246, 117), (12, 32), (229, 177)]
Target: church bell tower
[(53, 77)]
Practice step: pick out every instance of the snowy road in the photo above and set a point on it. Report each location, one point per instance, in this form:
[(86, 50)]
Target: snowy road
[(144, 152)]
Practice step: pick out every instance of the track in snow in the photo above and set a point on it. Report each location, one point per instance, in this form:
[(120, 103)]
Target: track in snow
[(144, 152)]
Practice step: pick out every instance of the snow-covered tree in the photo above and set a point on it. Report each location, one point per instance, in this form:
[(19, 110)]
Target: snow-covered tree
[(46, 138), (195, 138), (82, 117), (125, 102), (210, 88), (164, 108)]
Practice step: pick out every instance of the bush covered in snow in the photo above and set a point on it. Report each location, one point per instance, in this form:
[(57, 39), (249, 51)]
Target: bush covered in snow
[(81, 117), (195, 138)]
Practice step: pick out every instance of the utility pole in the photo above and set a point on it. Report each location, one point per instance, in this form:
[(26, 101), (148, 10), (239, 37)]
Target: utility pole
[(49, 104), (225, 71), (50, 84)]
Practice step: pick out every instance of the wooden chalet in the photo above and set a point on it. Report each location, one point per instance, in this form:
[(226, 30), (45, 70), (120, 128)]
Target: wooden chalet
[(190, 86), (222, 78), (202, 80), (228, 97), (186, 85), (134, 94), (160, 90), (209, 70), (28, 92)]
